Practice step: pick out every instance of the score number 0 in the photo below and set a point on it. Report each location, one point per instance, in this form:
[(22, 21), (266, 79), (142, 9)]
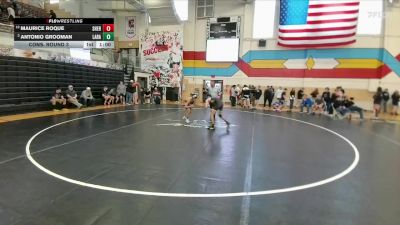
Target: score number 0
[(108, 27)]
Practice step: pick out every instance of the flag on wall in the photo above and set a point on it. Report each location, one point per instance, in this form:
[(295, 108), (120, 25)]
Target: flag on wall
[(130, 27), (317, 23)]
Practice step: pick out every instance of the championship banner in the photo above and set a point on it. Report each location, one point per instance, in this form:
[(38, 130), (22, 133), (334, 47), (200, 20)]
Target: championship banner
[(161, 55), (130, 27)]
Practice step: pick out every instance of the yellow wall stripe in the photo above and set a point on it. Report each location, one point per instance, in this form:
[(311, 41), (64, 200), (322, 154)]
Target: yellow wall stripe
[(359, 63), (204, 64), (267, 64)]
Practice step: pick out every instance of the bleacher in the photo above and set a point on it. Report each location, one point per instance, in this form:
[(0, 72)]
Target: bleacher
[(28, 84), (24, 11)]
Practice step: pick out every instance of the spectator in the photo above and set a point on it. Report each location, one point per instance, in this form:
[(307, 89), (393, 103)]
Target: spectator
[(308, 103), (266, 95), (283, 95), (141, 95), (205, 94), (258, 95), (319, 106), (292, 96), (87, 98), (136, 85), (278, 106), (11, 14), (52, 14), (246, 96), (72, 96), (326, 95), (271, 96), (315, 93), (395, 102), (238, 94), (377, 102), (147, 96), (129, 93), (121, 92), (113, 95), (385, 98), (351, 107), (300, 94), (252, 96), (278, 93), (58, 99), (233, 95), (157, 96), (107, 97)]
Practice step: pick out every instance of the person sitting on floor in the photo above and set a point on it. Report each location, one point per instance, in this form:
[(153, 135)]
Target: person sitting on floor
[(106, 96), (121, 92), (58, 101), (113, 95), (277, 106), (87, 98), (319, 106), (72, 96), (308, 103)]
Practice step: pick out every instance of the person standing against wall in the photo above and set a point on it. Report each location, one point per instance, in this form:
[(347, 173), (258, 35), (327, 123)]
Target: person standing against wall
[(300, 94), (377, 102), (258, 95), (385, 98), (278, 93), (292, 96), (271, 96), (395, 102), (129, 93), (233, 95), (266, 95)]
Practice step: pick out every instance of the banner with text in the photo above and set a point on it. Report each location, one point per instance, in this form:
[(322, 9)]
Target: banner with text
[(161, 55)]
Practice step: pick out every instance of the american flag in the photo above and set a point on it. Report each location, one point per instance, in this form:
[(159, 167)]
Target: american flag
[(317, 23)]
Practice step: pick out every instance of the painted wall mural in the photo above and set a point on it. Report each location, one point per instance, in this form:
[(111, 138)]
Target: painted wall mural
[(356, 63), (161, 55)]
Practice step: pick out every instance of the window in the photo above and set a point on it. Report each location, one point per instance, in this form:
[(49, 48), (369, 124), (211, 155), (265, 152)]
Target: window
[(181, 9), (205, 8), (264, 19), (370, 17)]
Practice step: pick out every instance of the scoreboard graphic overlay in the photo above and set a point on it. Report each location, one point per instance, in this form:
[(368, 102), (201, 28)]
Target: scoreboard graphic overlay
[(63, 33)]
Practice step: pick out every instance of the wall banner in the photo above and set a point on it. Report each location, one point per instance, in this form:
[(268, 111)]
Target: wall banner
[(161, 55), (130, 27)]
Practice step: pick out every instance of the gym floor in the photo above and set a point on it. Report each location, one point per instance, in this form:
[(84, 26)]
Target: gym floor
[(144, 166)]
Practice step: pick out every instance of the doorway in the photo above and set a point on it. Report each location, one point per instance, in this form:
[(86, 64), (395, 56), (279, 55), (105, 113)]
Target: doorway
[(143, 82)]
